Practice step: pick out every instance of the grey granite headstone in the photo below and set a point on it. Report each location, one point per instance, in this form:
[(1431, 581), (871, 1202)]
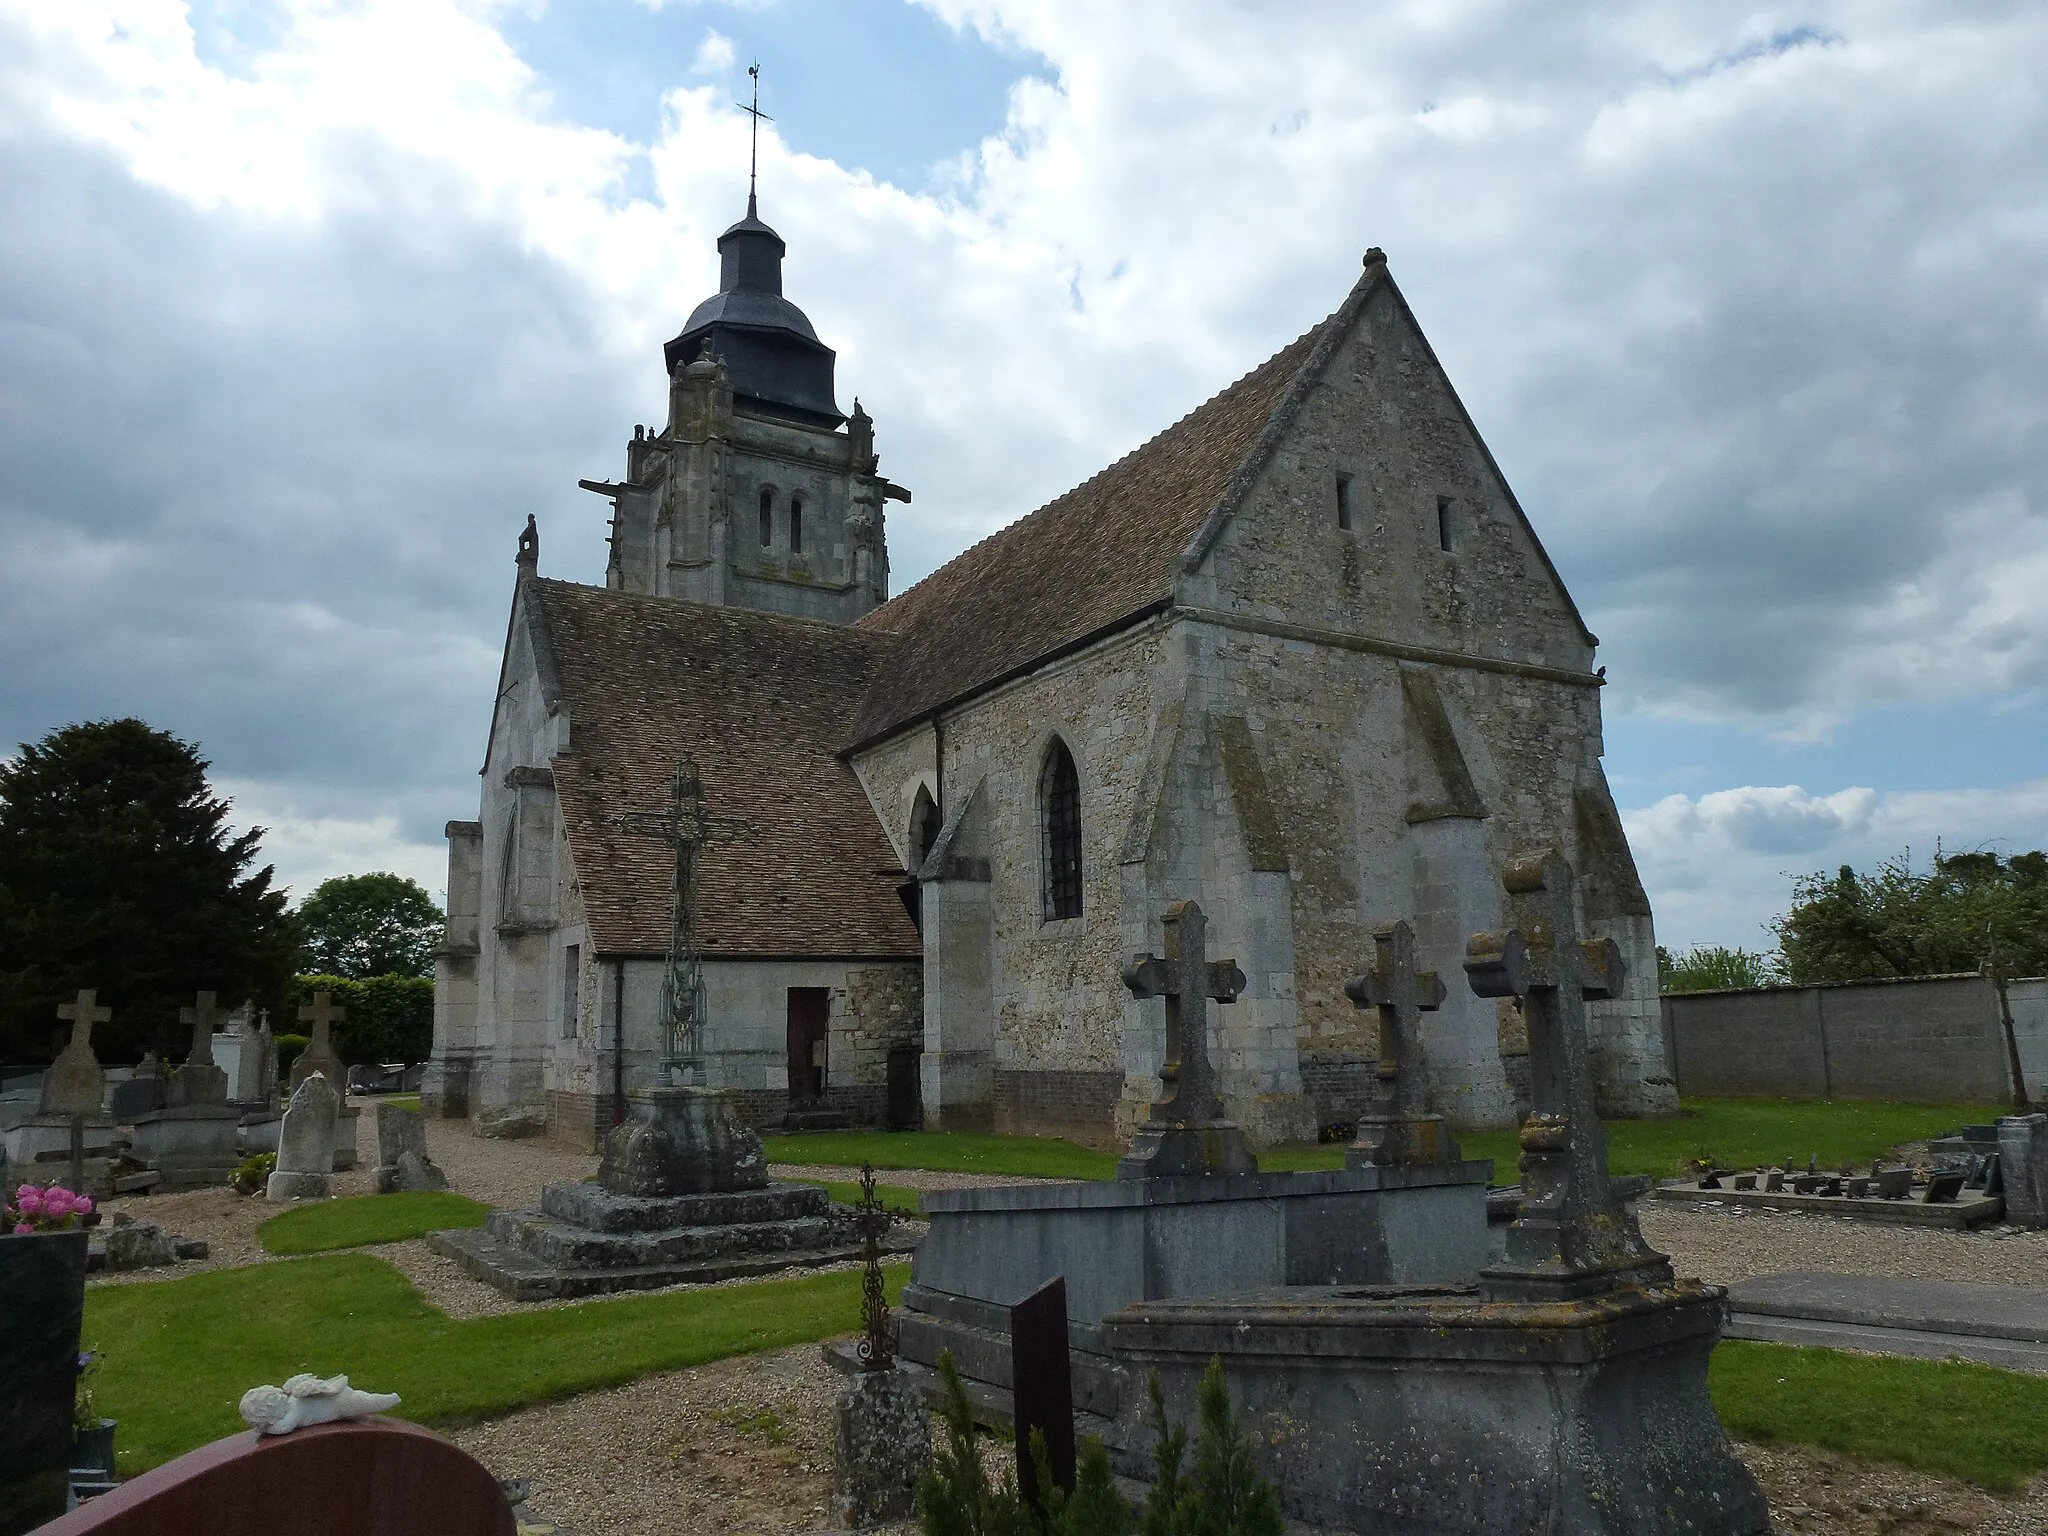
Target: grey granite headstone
[(2023, 1160), (305, 1147)]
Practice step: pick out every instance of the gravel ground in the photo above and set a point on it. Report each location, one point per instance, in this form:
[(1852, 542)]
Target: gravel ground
[(1817, 1493), (1725, 1244)]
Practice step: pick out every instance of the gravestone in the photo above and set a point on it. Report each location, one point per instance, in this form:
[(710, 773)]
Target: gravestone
[(305, 1146), (2023, 1161), (402, 1161), (70, 1137), (138, 1095), (42, 1304), (1042, 1387), (1186, 1134), (1396, 1128), (323, 1013), (191, 1140), (266, 1060)]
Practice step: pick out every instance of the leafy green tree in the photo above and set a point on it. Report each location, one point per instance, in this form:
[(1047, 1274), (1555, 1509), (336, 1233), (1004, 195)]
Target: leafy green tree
[(384, 1018), (1708, 966), (118, 871), (370, 925), (1898, 921)]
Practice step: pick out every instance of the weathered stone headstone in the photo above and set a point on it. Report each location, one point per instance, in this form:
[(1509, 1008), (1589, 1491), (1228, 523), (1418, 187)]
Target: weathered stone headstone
[(402, 1161), (1186, 1134), (75, 1085), (2023, 1160), (1574, 1237), (1396, 1128), (323, 1013), (266, 1045), (199, 1081), (305, 1147)]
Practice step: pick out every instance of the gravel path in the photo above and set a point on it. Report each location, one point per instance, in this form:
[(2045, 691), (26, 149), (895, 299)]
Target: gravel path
[(1725, 1244)]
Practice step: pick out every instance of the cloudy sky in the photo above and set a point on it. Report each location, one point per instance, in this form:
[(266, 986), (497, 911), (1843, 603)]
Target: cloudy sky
[(304, 306)]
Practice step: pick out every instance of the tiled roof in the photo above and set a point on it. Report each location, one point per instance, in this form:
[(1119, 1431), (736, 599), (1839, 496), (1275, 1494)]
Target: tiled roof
[(1081, 565), (763, 703)]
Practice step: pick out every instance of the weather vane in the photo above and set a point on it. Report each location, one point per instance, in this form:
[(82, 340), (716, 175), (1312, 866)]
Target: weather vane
[(753, 110)]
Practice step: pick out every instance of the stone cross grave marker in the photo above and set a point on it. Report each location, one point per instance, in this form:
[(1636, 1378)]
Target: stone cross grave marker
[(305, 1143), (1186, 1135), (1573, 1237), (1396, 1128), (323, 1013), (75, 1085), (199, 1081)]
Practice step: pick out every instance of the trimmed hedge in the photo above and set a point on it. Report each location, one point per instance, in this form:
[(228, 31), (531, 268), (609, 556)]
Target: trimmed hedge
[(385, 1018)]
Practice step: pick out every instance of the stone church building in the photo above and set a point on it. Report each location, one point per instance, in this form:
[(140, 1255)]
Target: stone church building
[(1300, 657)]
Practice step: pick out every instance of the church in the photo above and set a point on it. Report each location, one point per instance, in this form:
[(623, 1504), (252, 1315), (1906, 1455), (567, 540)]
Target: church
[(1300, 657)]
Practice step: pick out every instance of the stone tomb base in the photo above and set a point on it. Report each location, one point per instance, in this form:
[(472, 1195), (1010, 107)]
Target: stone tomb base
[(191, 1145), (39, 1152), (1433, 1412), (583, 1240)]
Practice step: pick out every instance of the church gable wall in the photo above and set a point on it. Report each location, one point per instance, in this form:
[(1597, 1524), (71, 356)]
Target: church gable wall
[(1382, 423), (892, 772)]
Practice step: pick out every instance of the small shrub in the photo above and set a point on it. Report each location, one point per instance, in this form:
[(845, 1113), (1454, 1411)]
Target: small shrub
[(252, 1173), (1225, 1496), (288, 1048)]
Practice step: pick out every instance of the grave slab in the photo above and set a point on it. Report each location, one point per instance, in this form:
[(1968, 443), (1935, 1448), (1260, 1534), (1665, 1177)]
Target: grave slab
[(1970, 1208), (2003, 1325)]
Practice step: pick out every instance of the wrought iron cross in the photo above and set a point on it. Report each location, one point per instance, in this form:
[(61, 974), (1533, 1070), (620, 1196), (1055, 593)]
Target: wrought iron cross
[(203, 1018), (876, 1350), (1573, 1236), (687, 829), (754, 111), (1396, 1128), (83, 1015), (1186, 978)]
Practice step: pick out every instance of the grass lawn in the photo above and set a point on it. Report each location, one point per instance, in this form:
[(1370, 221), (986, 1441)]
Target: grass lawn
[(1041, 1157), (180, 1353), (363, 1219), (1943, 1416)]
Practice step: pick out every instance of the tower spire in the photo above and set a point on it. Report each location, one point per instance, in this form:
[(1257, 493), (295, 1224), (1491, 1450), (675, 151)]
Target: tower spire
[(753, 110)]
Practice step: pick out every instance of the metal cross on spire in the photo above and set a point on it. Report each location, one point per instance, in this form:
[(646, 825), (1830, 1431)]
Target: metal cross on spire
[(753, 110), (687, 829)]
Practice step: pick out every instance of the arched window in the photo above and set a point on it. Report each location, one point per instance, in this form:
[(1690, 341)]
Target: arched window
[(1059, 794), (767, 515), (924, 828), (796, 525)]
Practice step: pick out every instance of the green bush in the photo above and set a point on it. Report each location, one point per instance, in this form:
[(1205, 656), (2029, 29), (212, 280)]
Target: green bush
[(385, 1018), (1225, 1496), (288, 1048), (252, 1173)]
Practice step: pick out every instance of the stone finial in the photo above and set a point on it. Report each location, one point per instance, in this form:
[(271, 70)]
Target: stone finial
[(1396, 1128), (1573, 1237), (1186, 1134), (1375, 257), (529, 545)]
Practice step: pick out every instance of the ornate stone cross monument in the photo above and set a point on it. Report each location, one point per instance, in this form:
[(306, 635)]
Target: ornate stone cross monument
[(1186, 1135), (1396, 1129), (323, 1013), (75, 1085), (200, 1081), (1573, 1237)]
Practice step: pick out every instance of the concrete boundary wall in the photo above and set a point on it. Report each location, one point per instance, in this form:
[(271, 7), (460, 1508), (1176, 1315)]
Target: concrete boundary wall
[(1935, 1039)]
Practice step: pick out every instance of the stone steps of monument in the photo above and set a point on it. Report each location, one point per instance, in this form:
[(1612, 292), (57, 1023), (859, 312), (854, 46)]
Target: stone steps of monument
[(563, 1244), (589, 1205), (523, 1276)]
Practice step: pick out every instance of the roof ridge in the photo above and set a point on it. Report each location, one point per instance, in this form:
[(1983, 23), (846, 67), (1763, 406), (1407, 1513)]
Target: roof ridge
[(1076, 489)]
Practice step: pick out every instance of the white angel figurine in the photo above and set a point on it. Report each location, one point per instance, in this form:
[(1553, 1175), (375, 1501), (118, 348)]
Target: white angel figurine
[(307, 1399)]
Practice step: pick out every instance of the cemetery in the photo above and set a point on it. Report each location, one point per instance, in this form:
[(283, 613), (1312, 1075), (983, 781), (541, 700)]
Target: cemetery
[(1410, 1340)]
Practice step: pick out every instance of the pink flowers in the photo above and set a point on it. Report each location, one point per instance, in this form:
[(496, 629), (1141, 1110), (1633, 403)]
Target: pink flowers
[(55, 1209)]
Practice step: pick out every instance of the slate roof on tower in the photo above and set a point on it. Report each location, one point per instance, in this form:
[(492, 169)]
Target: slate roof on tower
[(1083, 565), (763, 703)]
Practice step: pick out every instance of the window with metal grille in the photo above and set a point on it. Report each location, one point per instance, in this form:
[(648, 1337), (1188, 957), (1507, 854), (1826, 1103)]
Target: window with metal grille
[(1060, 792), (767, 516)]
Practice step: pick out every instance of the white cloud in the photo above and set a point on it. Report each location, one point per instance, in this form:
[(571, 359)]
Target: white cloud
[(1743, 301), (1719, 865), (714, 55)]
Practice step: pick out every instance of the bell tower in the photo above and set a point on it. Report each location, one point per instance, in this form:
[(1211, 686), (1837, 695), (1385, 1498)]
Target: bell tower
[(758, 492)]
